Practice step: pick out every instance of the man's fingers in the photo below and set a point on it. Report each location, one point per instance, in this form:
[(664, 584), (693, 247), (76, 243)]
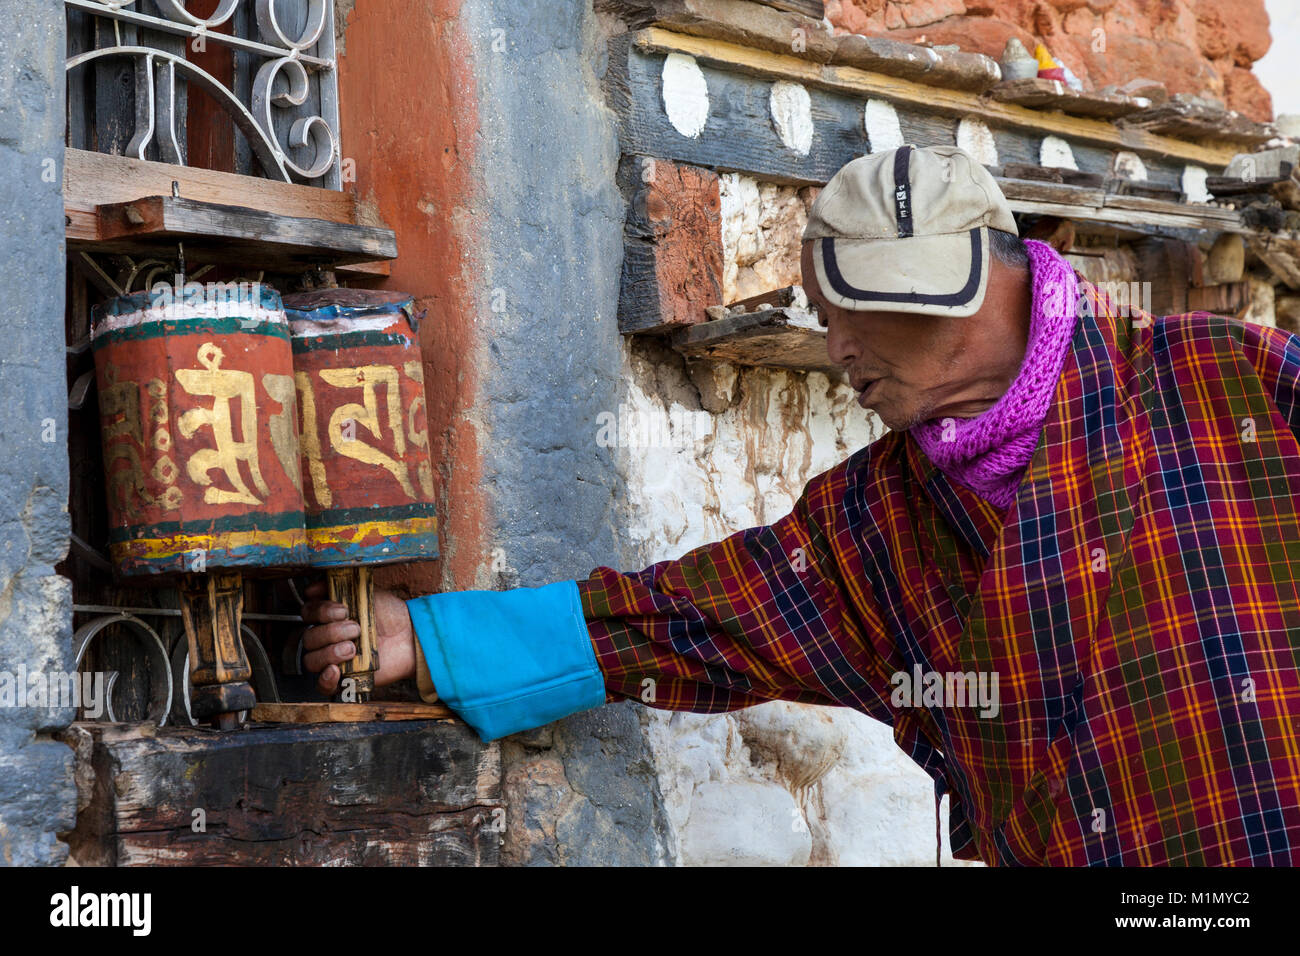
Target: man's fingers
[(322, 612), (328, 681), (316, 589), (327, 657), (314, 638)]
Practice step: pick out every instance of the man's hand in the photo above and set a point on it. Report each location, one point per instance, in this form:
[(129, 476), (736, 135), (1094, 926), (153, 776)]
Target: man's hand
[(330, 640)]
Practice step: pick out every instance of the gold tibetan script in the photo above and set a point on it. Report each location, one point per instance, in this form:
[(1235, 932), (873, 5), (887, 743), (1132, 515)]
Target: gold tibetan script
[(224, 386), (366, 377), (125, 423)]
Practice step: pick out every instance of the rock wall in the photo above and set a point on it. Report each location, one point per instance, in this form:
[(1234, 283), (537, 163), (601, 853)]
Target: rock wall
[(37, 794), (1193, 46)]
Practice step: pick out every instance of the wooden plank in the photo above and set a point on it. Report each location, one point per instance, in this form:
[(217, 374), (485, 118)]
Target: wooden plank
[(770, 338), (759, 27), (92, 178), (335, 713), (113, 110), (1170, 192), (81, 222), (220, 233), (1198, 121), (1062, 193), (775, 299), (1203, 213), (971, 72), (80, 91), (366, 270), (739, 134), (384, 793), (1038, 93), (926, 129), (1052, 174), (1097, 205), (861, 83), (809, 8)]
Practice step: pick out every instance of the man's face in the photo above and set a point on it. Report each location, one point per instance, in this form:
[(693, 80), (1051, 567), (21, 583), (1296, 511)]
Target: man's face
[(905, 367), (912, 368)]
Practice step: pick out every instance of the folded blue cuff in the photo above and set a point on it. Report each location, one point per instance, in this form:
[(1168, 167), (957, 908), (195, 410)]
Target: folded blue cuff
[(507, 661)]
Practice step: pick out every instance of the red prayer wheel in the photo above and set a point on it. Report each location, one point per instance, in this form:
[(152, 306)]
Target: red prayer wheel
[(367, 475), (198, 414)]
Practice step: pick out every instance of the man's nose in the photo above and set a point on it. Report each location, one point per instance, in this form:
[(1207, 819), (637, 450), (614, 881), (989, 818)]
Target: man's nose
[(840, 344)]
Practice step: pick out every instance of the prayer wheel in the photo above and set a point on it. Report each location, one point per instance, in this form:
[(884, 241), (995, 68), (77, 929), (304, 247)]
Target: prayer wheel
[(367, 475), (198, 414)]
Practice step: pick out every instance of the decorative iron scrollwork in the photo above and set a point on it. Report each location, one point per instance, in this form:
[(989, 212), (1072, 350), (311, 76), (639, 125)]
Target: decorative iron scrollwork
[(291, 58)]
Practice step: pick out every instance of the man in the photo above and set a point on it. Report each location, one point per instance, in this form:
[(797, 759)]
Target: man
[(1091, 514)]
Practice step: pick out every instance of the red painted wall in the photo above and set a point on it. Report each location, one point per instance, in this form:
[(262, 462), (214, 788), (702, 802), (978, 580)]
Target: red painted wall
[(408, 118)]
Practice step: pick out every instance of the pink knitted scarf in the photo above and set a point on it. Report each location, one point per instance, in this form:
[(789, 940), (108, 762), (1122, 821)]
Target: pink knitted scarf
[(988, 454)]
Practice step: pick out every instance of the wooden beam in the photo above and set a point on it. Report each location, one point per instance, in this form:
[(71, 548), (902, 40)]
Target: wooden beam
[(235, 234), (335, 713), (1198, 121), (755, 26), (672, 255), (809, 8), (770, 338), (852, 80), (91, 179), (385, 793), (366, 270), (772, 299), (1097, 205), (1038, 93), (739, 135)]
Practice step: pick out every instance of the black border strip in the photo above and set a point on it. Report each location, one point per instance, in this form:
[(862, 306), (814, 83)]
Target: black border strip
[(961, 297)]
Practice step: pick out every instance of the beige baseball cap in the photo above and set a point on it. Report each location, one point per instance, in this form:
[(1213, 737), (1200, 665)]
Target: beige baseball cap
[(907, 230)]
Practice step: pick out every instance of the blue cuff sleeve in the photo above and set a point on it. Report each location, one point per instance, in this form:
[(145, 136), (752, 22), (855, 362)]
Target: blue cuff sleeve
[(507, 661)]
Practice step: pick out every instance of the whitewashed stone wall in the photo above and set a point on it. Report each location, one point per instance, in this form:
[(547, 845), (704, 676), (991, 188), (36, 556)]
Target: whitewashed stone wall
[(781, 783)]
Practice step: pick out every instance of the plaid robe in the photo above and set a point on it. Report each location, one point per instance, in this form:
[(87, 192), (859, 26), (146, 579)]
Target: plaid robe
[(1138, 603)]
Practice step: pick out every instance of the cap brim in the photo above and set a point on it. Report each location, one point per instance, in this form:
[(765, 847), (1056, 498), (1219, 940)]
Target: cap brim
[(932, 275)]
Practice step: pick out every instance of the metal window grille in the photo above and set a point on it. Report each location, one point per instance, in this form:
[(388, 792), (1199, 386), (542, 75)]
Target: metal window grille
[(246, 86)]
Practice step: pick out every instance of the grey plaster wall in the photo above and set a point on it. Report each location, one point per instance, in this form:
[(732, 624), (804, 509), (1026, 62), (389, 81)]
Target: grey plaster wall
[(37, 795), (583, 791)]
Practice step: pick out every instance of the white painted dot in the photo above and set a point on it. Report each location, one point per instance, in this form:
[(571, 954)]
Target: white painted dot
[(1194, 184), (686, 94), (1056, 152), (883, 131), (1129, 165), (976, 139), (792, 115)]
